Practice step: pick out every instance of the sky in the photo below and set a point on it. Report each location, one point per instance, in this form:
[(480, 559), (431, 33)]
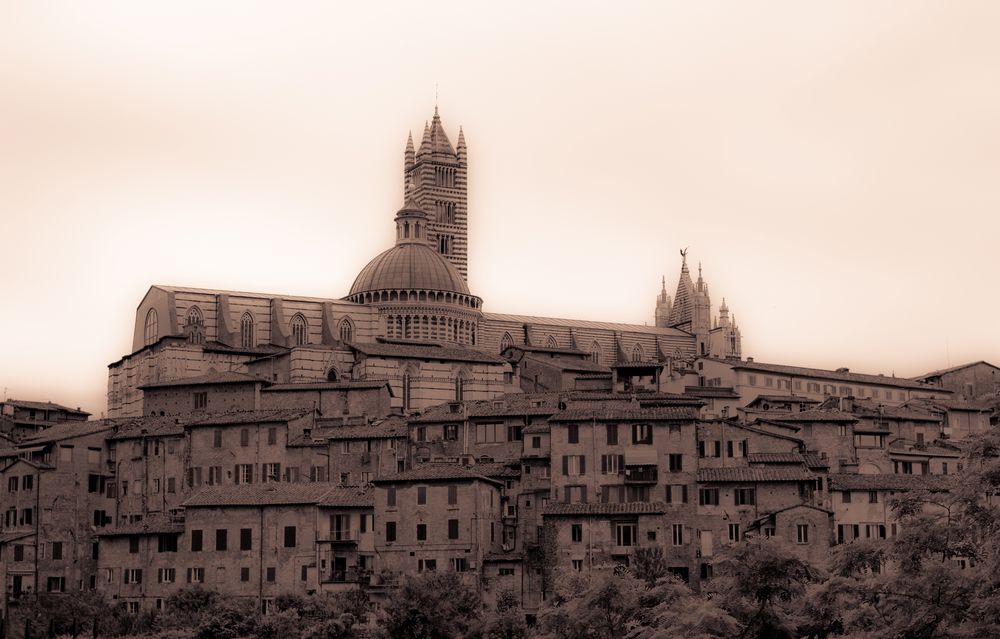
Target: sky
[(835, 167)]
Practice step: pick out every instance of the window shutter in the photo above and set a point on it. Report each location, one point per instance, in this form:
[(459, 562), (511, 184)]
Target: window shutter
[(565, 464), (583, 464), (729, 448), (701, 449), (566, 494), (583, 494), (744, 447), (668, 494), (604, 463), (684, 494), (621, 463), (236, 473), (718, 448)]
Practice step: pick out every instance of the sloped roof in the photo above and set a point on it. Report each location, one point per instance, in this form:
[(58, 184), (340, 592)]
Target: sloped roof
[(653, 413), (151, 426), (583, 324), (775, 458), (152, 524), (66, 430), (226, 377), (802, 371), (269, 494), (812, 415), (792, 399), (720, 392), (556, 509), (754, 475), (348, 497), (350, 384), (247, 417), (425, 351), (509, 405), (850, 481), (389, 428), (434, 471), (499, 470), (953, 369), (29, 404), (572, 365)]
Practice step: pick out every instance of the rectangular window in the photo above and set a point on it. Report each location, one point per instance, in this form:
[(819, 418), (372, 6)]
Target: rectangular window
[(390, 531), (246, 539), (57, 550), (289, 536), (577, 565), (426, 565), (734, 533), (421, 532), (132, 576), (490, 433), (65, 453), (196, 575), (244, 574), (677, 494), (196, 540), (802, 533), (745, 496), (675, 462), (576, 533), (642, 433), (133, 544), (845, 496), (708, 496), (452, 495), (625, 534), (452, 529), (872, 496), (217, 438), (421, 495), (200, 400), (272, 436), (166, 575), (574, 465), (612, 464), (271, 574), (390, 496), (270, 472), (536, 442), (451, 432), (166, 543), (612, 431), (244, 437), (221, 539), (677, 534), (573, 434), (243, 473)]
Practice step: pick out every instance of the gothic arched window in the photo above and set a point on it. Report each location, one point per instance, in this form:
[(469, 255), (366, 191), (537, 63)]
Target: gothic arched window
[(595, 353), (194, 316), (247, 338), (551, 342), (506, 342), (346, 330), (637, 353), (300, 330), (150, 330)]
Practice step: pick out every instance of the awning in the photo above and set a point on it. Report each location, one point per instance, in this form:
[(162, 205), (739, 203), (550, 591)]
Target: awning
[(641, 456)]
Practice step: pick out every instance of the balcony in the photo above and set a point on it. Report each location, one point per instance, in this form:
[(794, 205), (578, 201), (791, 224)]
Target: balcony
[(640, 475), (340, 537), (350, 575)]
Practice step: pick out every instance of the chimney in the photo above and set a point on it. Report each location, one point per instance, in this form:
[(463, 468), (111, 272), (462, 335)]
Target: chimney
[(750, 360)]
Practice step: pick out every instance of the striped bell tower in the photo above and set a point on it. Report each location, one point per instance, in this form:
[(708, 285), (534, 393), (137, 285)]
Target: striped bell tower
[(436, 177)]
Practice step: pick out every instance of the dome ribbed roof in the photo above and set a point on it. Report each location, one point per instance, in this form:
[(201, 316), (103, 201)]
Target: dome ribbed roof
[(410, 266)]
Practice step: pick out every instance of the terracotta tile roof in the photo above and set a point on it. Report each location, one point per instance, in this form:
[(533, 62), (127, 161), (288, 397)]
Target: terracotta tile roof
[(550, 349), (814, 461), (792, 399), (536, 429), (582, 324), (802, 371), (225, 377), (348, 384), (67, 430), (509, 405), (643, 364), (850, 481), (389, 428), (868, 408), (133, 428), (497, 557), (6, 538), (813, 415), (24, 403), (943, 371), (721, 392), (499, 470), (572, 365), (435, 472), (348, 497), (425, 351), (269, 494), (260, 349), (556, 509), (653, 413), (956, 403), (153, 524), (754, 475), (775, 458), (247, 417)]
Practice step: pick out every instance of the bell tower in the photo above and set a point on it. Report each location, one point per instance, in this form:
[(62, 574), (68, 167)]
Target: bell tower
[(436, 178)]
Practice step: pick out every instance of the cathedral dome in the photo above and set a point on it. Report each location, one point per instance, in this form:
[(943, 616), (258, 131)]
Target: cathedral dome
[(410, 266)]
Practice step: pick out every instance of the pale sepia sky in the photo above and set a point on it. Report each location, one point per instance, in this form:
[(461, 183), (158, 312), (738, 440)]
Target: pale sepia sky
[(835, 166)]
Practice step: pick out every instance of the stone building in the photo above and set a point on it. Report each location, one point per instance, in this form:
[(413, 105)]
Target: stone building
[(971, 381), (23, 418), (409, 319)]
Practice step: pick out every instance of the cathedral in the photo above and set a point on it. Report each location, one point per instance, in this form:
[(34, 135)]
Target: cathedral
[(409, 318)]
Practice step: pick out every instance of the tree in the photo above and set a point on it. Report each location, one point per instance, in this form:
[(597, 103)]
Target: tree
[(649, 564), (669, 609), (600, 606), (435, 605)]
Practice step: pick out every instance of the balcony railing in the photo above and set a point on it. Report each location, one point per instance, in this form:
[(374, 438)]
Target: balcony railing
[(348, 576), (641, 475), (341, 537)]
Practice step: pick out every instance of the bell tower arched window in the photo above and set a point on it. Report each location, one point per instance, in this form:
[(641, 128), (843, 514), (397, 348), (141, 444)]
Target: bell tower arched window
[(150, 330), (247, 336), (300, 330)]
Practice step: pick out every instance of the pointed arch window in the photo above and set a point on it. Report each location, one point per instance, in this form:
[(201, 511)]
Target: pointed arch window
[(150, 332), (194, 316), (595, 353), (195, 325), (346, 330), (247, 337), (506, 342), (637, 353), (551, 342), (407, 391), (300, 330)]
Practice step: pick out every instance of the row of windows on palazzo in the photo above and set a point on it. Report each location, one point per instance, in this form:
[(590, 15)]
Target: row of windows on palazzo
[(298, 328)]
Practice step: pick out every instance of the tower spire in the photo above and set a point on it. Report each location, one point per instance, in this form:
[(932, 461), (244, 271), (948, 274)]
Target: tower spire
[(409, 156)]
